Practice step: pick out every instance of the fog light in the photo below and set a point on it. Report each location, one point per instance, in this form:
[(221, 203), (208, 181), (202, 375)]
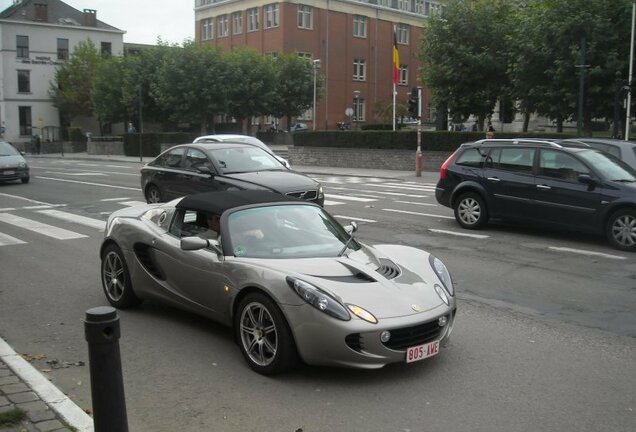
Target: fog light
[(385, 336), (442, 321)]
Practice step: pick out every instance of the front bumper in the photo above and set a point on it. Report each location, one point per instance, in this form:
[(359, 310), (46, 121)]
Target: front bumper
[(322, 340), (11, 174)]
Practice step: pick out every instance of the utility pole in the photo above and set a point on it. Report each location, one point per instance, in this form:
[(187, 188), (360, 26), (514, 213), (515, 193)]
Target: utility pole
[(582, 66), (141, 129)]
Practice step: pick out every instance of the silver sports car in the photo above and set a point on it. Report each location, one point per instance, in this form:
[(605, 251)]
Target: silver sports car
[(291, 281)]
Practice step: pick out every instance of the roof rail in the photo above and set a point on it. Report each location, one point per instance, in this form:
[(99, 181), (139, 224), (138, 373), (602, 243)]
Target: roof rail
[(521, 141)]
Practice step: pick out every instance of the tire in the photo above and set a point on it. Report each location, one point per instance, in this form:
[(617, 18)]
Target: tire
[(25, 179), (621, 229), (116, 279), (264, 335), (470, 211), (153, 194)]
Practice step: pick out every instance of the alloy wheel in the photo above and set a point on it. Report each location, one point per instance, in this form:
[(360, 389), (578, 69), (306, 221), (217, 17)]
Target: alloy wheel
[(469, 211), (153, 195), (113, 276), (624, 230), (258, 334)]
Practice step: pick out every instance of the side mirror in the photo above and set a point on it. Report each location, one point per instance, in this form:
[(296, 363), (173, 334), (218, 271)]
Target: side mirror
[(205, 170), (198, 243), (351, 228), (587, 179)]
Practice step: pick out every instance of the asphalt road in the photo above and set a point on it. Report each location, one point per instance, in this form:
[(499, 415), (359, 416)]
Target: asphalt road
[(544, 337)]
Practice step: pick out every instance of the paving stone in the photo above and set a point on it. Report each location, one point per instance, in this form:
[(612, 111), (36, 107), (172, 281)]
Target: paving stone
[(33, 406), (5, 372), (49, 426), (3, 401), (63, 430), (22, 397), (10, 379), (40, 415), (14, 388), (6, 408)]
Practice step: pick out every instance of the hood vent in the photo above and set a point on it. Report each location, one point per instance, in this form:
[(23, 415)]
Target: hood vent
[(388, 269), (354, 278), (145, 255)]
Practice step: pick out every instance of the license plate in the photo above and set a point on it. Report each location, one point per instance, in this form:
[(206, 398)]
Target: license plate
[(421, 352), (9, 172)]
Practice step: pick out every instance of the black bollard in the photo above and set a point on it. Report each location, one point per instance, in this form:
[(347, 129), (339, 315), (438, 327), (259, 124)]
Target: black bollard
[(101, 328)]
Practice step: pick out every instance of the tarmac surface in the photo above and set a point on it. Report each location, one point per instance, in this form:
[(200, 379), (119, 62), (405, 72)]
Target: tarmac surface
[(46, 408)]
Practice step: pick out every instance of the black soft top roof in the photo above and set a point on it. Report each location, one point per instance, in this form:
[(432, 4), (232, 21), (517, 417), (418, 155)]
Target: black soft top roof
[(219, 202)]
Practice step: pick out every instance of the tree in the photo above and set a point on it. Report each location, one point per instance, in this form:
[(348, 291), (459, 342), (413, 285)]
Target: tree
[(107, 97), (464, 56), (72, 85), (294, 86)]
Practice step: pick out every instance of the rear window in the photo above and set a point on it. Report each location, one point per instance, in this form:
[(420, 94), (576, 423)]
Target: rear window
[(518, 159), (471, 157)]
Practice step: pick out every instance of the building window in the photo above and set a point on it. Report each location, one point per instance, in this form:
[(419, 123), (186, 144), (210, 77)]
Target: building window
[(419, 7), (271, 15), (385, 3), (359, 70), (62, 49), (404, 74), (273, 54), (22, 46), (305, 17), (25, 120), (358, 109), (360, 26), (206, 29), (222, 26), (237, 22), (24, 81), (404, 5), (305, 55), (403, 34), (106, 49), (252, 19)]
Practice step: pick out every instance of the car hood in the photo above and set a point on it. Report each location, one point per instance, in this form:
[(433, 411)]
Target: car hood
[(362, 279), (11, 161), (278, 181)]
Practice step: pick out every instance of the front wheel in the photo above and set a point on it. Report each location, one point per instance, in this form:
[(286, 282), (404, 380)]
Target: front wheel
[(264, 336), (621, 229), (116, 279), (153, 194), (470, 211), (25, 179)]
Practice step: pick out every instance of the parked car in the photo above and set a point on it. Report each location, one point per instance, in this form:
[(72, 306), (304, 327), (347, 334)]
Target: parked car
[(13, 166), (298, 127), (574, 188), (246, 139), (624, 150), (291, 281), (200, 167)]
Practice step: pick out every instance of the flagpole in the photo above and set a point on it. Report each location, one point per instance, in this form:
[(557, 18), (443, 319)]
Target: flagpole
[(394, 95)]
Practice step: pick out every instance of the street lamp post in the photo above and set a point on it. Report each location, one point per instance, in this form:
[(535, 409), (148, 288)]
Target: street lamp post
[(356, 98), (629, 79), (313, 111)]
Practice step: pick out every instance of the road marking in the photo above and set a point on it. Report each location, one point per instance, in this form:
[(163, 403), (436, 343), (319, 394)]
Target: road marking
[(36, 207), (39, 227), (115, 199), (350, 198), (7, 209), (77, 174), (418, 214), (455, 233), (416, 203), (48, 170), (28, 199), (89, 183), (380, 192), (355, 218), (586, 252), (407, 188), (70, 217), (6, 240), (133, 203), (332, 203)]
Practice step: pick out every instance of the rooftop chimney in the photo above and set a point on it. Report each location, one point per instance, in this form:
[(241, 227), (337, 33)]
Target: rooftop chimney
[(41, 12), (90, 17)]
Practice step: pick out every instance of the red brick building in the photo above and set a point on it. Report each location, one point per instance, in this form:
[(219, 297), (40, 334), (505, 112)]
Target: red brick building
[(352, 39)]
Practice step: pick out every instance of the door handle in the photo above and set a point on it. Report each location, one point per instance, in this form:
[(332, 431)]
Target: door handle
[(544, 187), (494, 179)]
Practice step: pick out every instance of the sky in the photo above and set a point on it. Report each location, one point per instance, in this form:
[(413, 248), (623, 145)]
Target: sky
[(142, 20)]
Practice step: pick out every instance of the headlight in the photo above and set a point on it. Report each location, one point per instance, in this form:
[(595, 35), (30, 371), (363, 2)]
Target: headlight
[(321, 194), (363, 314), (22, 165), (442, 273), (319, 299)]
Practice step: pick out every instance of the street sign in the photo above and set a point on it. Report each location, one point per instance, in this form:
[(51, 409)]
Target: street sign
[(349, 112)]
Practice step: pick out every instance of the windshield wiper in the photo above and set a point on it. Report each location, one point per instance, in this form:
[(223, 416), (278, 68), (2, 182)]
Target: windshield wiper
[(345, 246)]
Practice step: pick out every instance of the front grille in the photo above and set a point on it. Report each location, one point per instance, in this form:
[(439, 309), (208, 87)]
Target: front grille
[(305, 195), (144, 254), (354, 341), (388, 269), (403, 338)]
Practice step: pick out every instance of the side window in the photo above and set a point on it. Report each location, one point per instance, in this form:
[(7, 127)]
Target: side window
[(187, 223), (560, 165), (518, 159), (471, 157), (614, 150), (195, 159), (171, 159)]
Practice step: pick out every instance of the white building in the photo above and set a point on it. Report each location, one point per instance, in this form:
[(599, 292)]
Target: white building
[(35, 37)]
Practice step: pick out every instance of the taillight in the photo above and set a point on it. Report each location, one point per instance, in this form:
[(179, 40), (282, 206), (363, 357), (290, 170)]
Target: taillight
[(444, 168)]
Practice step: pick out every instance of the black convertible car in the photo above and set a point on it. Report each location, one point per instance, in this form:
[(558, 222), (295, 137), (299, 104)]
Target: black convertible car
[(200, 167)]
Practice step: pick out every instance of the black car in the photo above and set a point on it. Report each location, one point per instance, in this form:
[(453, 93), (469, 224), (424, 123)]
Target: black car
[(199, 167), (13, 166), (575, 187)]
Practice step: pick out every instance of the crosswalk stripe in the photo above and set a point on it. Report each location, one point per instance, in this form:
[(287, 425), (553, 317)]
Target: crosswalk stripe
[(70, 217), (115, 199), (408, 188), (332, 203), (585, 252), (6, 240), (418, 213), (381, 192), (415, 203), (88, 183), (350, 198), (355, 218), (39, 227), (133, 203)]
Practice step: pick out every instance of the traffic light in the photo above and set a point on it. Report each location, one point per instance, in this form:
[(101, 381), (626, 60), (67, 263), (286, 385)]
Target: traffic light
[(414, 103)]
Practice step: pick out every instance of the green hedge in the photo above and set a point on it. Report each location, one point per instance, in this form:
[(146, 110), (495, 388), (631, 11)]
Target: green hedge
[(75, 134), (403, 140), (151, 142)]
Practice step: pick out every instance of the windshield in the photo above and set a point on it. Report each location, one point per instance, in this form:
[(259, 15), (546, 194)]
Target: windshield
[(286, 231), (609, 167), (244, 159), (7, 149)]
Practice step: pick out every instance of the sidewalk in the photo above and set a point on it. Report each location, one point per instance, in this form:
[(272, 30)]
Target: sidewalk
[(427, 176)]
